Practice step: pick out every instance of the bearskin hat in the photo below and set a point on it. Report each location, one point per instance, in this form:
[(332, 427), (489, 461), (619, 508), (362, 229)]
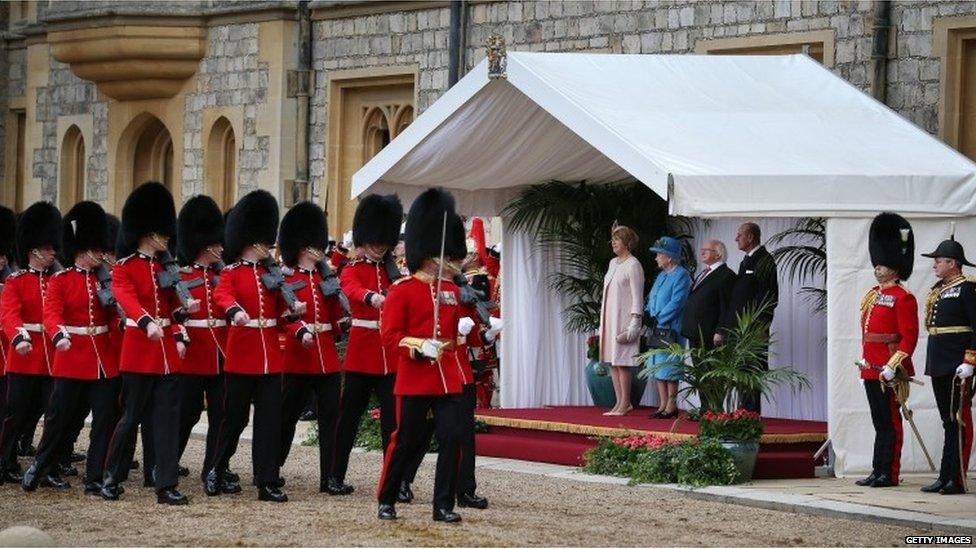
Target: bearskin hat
[(303, 226), (39, 225), (424, 225), (456, 247), (891, 242), (199, 225), (8, 232), (85, 228), (377, 220), (253, 219), (148, 209)]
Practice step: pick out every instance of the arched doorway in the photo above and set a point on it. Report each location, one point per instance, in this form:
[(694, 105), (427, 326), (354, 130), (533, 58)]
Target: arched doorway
[(221, 164), (71, 188), (145, 153)]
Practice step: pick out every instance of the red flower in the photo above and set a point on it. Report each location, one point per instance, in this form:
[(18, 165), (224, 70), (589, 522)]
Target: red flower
[(375, 414)]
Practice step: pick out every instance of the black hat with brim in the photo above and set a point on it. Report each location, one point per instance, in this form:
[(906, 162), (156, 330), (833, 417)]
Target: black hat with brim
[(950, 249)]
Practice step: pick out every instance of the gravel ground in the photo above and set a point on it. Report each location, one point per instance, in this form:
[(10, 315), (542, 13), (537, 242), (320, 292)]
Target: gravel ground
[(526, 510)]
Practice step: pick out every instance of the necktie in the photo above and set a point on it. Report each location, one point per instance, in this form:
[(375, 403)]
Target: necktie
[(702, 276)]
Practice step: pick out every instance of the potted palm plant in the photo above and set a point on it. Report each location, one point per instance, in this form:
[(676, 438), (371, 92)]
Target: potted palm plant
[(739, 433)]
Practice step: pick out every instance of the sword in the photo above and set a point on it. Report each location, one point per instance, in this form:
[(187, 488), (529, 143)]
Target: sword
[(440, 273), (960, 426), (863, 365)]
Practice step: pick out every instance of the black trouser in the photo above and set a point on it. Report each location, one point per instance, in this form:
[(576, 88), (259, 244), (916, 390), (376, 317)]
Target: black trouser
[(297, 389), (192, 391), (158, 395), (239, 392), (947, 398), (466, 483), (26, 394), (886, 418), (78, 423), (71, 397), (408, 439), (356, 390)]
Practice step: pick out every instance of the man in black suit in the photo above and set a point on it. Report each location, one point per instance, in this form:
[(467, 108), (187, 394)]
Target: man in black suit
[(756, 285)]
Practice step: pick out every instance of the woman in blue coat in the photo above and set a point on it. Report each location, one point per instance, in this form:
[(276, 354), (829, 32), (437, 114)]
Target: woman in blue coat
[(665, 305)]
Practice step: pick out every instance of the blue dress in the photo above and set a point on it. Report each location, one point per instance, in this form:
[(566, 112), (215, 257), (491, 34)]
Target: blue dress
[(666, 303)]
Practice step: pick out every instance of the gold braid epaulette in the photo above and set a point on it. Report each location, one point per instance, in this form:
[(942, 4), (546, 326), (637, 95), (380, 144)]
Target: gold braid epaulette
[(867, 305), (934, 294)]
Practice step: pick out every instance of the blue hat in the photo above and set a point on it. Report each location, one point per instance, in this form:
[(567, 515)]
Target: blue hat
[(668, 246)]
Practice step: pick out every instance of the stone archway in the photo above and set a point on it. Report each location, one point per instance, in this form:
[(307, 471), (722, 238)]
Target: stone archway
[(71, 187), (220, 175), (145, 153)]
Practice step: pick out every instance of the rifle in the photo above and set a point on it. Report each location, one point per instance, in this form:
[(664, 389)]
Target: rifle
[(330, 285), (389, 263), (274, 281), (104, 292), (169, 278), (474, 298)]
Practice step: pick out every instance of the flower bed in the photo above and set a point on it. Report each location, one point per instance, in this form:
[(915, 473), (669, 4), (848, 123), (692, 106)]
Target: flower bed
[(739, 426), (654, 459)]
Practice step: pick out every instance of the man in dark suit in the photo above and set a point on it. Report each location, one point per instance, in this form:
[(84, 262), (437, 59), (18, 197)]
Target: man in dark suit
[(756, 285)]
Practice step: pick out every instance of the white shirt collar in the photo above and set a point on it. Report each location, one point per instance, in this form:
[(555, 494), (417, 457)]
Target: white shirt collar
[(714, 266), (752, 251)]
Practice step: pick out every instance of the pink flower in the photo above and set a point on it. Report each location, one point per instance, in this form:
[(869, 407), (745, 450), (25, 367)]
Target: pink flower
[(375, 414)]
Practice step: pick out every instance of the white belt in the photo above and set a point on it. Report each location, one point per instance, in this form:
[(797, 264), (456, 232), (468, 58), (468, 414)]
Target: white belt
[(161, 322), (318, 328), (368, 324), (33, 328), (261, 323), (86, 330), (205, 323)]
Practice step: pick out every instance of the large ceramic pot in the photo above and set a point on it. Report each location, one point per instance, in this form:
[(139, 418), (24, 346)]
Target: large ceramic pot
[(601, 386), (744, 454)]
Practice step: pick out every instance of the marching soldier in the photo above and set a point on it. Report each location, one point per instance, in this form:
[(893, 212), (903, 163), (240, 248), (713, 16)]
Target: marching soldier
[(84, 367), (311, 362), (420, 318), (889, 328), (149, 360), (369, 366), (200, 238), (8, 226), (251, 291), (950, 317), (21, 313)]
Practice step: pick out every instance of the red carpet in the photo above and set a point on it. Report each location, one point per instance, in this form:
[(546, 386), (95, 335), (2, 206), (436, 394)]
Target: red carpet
[(561, 434)]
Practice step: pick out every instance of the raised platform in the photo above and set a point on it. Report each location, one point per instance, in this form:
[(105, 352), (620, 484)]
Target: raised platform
[(561, 434)]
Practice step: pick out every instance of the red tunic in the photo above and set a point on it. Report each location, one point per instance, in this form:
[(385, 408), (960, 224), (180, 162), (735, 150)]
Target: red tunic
[(321, 357), (72, 303), (252, 349), (143, 301), (409, 312), (365, 352), (891, 316), (207, 327), (22, 316)]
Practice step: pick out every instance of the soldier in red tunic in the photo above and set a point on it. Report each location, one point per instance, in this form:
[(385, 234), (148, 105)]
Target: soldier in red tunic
[(311, 362), (420, 318), (252, 297), (369, 367), (85, 369), (8, 228), (30, 355), (200, 238), (149, 360), (889, 328)]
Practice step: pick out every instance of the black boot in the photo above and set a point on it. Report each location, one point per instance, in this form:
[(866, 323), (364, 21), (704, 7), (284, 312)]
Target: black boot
[(868, 480), (386, 512), (472, 500), (93, 488), (171, 496), (12, 475), (883, 481), (111, 489), (54, 481), (934, 487), (26, 449), (212, 484), (443, 515), (66, 470), (272, 493), (404, 494), (31, 479), (952, 487), (333, 487), (232, 476)]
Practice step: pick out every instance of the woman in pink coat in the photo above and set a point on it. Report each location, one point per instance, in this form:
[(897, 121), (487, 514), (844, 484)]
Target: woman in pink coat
[(620, 315)]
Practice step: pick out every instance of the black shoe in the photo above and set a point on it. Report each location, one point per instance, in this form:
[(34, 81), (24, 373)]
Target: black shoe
[(667, 415), (934, 487), (867, 480), (883, 481), (472, 500), (30, 481), (171, 496), (280, 482), (66, 470), (271, 493), (134, 465), (54, 481), (13, 476), (232, 476), (307, 415), (78, 457), (110, 492), (333, 487), (212, 484), (184, 471), (404, 494), (230, 487), (386, 512), (443, 515), (952, 487), (93, 488)]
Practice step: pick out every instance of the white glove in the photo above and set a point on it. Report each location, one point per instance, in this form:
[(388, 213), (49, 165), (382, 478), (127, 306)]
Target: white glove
[(465, 325), (23, 348), (964, 371), (193, 305), (306, 340), (630, 334), (299, 308), (180, 349), (495, 326), (154, 332), (431, 349), (887, 373), (377, 300), (63, 344), (241, 318)]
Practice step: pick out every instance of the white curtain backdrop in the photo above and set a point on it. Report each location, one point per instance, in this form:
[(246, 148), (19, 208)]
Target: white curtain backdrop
[(542, 364)]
